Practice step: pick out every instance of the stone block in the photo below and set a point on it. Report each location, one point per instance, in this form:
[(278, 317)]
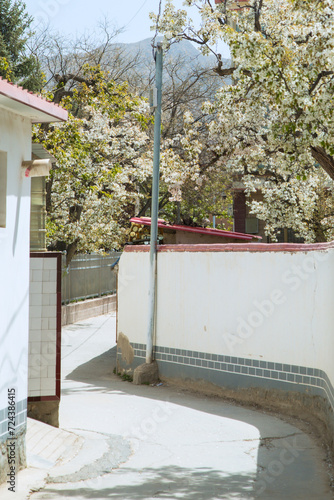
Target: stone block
[(147, 373)]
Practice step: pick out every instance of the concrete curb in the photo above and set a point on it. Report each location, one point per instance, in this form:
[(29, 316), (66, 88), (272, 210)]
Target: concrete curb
[(59, 456), (47, 447), (72, 313)]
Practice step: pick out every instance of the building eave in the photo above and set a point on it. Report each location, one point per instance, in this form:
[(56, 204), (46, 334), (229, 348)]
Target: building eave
[(146, 221), (25, 103)]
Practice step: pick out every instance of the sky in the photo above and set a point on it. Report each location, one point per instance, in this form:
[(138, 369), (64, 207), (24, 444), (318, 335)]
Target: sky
[(71, 17)]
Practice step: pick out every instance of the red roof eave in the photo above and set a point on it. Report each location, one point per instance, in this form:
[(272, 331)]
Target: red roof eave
[(49, 110), (198, 230)]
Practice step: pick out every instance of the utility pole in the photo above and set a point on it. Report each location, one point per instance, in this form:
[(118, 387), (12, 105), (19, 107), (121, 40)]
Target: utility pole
[(155, 205)]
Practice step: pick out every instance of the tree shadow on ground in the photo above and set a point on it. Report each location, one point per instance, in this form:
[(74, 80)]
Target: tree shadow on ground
[(169, 482)]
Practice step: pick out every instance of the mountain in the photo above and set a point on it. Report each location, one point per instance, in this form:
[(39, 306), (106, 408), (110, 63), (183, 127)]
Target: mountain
[(182, 49)]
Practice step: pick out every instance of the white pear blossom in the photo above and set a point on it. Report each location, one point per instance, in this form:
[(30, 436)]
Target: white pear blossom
[(274, 125), (104, 168)]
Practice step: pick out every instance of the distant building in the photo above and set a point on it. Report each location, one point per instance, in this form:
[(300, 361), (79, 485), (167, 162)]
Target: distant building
[(244, 221), (179, 234)]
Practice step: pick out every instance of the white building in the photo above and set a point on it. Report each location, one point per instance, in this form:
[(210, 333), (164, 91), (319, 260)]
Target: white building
[(19, 109)]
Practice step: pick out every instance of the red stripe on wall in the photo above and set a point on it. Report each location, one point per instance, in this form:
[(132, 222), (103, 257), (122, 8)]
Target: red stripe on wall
[(236, 247)]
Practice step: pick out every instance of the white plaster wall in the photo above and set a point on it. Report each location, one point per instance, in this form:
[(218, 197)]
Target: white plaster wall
[(15, 139), (271, 306), (132, 295)]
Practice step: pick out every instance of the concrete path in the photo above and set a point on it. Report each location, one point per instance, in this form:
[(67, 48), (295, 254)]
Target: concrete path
[(143, 442)]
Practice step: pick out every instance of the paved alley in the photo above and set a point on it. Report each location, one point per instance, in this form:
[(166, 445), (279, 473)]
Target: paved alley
[(143, 442)]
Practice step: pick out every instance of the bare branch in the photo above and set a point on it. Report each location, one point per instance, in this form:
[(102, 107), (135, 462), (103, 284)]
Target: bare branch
[(318, 79), (324, 159)]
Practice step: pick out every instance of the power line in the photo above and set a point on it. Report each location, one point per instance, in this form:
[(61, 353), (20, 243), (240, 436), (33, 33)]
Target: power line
[(140, 8)]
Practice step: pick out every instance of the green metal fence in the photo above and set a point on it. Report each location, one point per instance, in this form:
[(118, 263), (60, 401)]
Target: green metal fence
[(88, 276)]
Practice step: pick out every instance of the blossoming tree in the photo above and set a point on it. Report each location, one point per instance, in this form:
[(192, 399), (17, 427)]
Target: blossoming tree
[(187, 83), (103, 173), (274, 125)]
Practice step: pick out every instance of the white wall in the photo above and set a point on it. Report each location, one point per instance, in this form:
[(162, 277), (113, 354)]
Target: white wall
[(15, 139), (275, 306)]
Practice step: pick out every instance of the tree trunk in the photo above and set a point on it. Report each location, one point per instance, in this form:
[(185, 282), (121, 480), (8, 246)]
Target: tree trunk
[(70, 251), (142, 212), (325, 160), (320, 235)]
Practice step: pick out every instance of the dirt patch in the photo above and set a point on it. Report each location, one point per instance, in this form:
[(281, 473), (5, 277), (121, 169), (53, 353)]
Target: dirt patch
[(45, 411)]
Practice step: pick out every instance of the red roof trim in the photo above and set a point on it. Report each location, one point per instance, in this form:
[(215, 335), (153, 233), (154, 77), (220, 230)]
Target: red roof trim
[(32, 100), (199, 230), (237, 247)]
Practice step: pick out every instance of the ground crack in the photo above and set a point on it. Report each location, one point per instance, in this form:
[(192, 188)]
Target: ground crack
[(268, 441)]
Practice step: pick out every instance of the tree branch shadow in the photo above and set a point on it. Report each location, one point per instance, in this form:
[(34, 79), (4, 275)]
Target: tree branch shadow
[(167, 482)]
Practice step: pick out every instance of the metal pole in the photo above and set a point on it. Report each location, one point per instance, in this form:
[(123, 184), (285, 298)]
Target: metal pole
[(155, 206)]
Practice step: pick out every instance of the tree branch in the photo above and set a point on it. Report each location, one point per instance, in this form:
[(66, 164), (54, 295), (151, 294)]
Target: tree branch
[(319, 77), (325, 160), (229, 71), (257, 9)]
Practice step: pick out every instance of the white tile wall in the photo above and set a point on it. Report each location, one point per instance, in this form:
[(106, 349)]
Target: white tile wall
[(48, 311), (52, 323), (34, 393), (52, 276), (52, 299), (34, 384), (35, 311), (50, 372), (43, 327), (35, 347), (34, 372), (36, 264), (35, 335), (45, 299), (49, 287), (36, 299), (50, 264), (37, 275), (48, 384), (35, 287)]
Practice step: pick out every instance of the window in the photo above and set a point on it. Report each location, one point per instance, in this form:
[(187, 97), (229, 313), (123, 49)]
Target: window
[(252, 225), (3, 188)]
